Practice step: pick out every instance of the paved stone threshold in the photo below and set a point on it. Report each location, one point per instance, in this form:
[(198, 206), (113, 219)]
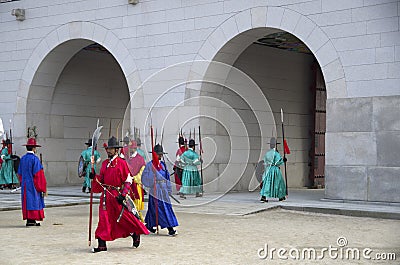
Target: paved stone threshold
[(231, 204)]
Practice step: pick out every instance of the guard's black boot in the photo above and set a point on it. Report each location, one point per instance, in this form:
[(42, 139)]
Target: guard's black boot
[(263, 199), (151, 229), (31, 222), (171, 231), (101, 246), (89, 190), (83, 189), (136, 240)]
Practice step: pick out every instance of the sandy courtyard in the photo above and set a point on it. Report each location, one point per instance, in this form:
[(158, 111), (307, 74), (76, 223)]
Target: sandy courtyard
[(202, 239)]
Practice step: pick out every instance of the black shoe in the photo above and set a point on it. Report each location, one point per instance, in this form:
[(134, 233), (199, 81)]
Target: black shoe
[(89, 190), (136, 240), (182, 196), (282, 199), (32, 223), (151, 229), (83, 189), (102, 246), (172, 232), (99, 249), (199, 195), (263, 199)]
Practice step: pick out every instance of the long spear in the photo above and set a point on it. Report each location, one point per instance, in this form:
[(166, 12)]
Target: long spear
[(154, 156), (201, 161), (95, 139), (10, 149), (284, 152)]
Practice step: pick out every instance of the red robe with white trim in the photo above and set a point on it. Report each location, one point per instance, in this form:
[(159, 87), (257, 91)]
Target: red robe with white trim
[(114, 173)]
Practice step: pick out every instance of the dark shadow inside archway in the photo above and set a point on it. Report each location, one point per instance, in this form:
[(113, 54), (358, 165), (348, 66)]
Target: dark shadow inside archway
[(290, 78), (77, 83)]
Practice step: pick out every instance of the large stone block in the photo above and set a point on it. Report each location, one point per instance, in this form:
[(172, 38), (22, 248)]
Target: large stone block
[(384, 184), (350, 148), (358, 57), (56, 173), (388, 146), (56, 126), (229, 177), (385, 113), (349, 115), (346, 183), (374, 88)]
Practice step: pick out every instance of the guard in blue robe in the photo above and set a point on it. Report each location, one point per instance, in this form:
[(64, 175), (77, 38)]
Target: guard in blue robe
[(156, 177), (33, 185)]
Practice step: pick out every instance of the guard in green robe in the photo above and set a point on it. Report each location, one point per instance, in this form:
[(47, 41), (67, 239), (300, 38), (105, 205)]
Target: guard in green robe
[(139, 150), (87, 154), (191, 181), (7, 172), (273, 185)]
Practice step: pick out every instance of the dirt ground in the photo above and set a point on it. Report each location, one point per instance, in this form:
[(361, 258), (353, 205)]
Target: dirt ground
[(202, 239)]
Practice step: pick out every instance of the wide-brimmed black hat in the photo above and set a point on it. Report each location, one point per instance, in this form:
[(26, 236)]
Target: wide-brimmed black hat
[(192, 142), (8, 141), (113, 143), (158, 149), (181, 140), (273, 140), (89, 142), (126, 140)]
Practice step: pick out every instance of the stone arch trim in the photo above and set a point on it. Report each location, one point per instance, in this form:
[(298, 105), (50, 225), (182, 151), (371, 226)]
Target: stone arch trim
[(73, 31), (288, 20)]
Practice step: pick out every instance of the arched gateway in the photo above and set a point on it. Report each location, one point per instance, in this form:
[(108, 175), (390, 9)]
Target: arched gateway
[(79, 72), (285, 78)]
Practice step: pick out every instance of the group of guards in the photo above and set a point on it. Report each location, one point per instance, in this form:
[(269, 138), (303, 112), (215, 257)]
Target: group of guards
[(121, 180)]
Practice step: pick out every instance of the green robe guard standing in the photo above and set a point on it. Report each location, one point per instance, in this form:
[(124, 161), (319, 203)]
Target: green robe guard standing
[(191, 181), (273, 185), (87, 154), (139, 150), (7, 172)]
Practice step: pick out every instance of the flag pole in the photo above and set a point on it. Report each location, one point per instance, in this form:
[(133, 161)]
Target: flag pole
[(284, 152)]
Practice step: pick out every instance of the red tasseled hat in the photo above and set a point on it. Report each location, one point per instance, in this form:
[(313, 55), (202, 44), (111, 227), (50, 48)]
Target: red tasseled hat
[(31, 142)]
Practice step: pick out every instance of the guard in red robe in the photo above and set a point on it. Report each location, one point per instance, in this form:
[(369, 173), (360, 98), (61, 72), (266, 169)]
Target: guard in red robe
[(136, 166), (33, 185), (178, 167), (114, 182)]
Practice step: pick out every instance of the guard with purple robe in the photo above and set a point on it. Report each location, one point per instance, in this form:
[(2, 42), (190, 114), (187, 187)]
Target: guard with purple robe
[(156, 177)]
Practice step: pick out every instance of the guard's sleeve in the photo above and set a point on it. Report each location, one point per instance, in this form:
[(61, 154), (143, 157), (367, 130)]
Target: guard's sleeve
[(147, 175), (169, 186), (39, 180), (196, 161), (278, 159)]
